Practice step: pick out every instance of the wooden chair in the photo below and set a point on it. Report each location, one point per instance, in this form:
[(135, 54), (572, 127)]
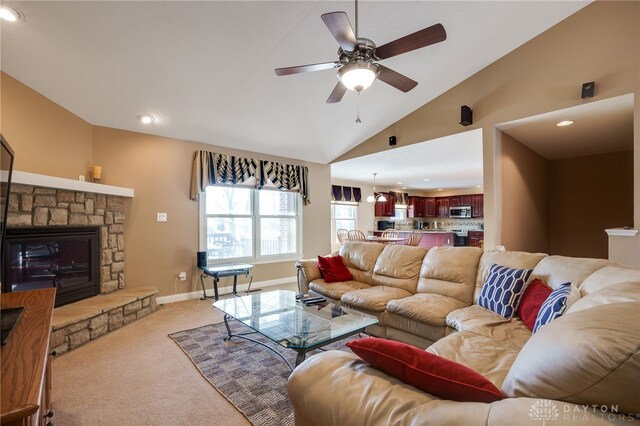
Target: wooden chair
[(343, 235), (390, 233), (357, 236), (414, 239)]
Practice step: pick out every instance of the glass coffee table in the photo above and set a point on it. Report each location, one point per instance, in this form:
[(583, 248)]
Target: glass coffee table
[(278, 316)]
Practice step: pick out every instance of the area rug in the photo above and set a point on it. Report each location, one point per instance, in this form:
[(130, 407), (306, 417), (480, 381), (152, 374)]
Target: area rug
[(251, 377)]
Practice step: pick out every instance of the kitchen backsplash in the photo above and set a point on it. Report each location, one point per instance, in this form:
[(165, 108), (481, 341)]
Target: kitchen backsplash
[(446, 223)]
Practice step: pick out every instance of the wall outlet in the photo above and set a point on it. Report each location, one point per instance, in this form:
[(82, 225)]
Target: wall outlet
[(182, 276), (161, 217)]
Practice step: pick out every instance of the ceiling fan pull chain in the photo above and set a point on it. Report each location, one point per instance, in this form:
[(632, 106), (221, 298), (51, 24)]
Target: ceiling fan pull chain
[(358, 121)]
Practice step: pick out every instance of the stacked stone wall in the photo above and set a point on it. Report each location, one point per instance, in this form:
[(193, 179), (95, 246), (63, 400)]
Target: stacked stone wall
[(36, 206)]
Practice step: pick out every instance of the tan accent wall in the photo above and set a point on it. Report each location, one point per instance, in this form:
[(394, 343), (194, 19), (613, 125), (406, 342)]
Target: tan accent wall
[(588, 195), (525, 194), (599, 43), (46, 138), (159, 170)]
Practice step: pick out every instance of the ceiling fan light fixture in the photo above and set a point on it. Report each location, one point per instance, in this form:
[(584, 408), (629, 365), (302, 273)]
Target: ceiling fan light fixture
[(10, 13), (358, 76)]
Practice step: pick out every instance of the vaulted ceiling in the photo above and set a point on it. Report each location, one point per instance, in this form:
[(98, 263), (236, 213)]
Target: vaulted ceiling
[(205, 69)]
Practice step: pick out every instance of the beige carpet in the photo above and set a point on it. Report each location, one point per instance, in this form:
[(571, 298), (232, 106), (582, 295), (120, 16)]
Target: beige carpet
[(137, 376)]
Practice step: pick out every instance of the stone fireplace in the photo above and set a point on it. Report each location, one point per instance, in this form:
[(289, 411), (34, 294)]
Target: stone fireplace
[(33, 207)]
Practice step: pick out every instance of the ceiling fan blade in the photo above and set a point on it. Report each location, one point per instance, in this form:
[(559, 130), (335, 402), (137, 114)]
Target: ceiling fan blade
[(425, 37), (339, 25), (395, 79), (306, 68), (337, 94)]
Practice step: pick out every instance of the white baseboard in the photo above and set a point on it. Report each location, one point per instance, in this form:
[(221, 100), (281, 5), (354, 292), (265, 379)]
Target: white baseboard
[(179, 297)]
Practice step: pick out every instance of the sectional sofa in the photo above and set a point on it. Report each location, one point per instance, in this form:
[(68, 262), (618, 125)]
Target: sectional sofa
[(583, 367)]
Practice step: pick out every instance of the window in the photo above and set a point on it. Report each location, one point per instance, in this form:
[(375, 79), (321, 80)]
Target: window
[(401, 212), (247, 224), (343, 216)]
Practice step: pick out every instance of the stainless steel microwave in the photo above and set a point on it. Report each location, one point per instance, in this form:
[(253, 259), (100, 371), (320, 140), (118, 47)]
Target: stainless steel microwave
[(461, 211)]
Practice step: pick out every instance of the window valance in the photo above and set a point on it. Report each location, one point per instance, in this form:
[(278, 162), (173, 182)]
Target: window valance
[(346, 193), (211, 168)]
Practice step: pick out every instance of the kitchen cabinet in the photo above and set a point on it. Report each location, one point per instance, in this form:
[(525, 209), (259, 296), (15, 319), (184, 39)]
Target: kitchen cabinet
[(465, 200), (455, 201), (386, 208), (421, 207), (476, 238), (430, 207), (477, 205), (413, 208), (442, 206), (433, 239)]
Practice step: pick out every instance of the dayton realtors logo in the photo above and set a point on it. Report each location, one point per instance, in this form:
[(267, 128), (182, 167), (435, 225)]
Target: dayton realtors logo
[(544, 410)]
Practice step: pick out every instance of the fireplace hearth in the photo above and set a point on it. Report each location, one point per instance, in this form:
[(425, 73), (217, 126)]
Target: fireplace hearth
[(64, 257)]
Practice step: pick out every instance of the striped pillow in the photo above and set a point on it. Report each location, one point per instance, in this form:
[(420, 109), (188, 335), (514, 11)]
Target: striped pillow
[(555, 305), (503, 289)]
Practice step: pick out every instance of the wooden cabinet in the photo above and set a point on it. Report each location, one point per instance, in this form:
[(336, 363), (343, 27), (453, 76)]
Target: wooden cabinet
[(476, 238), (477, 205), (386, 208), (465, 200), (430, 207), (455, 201), (433, 239), (26, 368), (413, 207), (421, 207), (442, 206)]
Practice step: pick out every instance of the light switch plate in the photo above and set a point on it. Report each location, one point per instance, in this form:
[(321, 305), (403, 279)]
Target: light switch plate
[(161, 217)]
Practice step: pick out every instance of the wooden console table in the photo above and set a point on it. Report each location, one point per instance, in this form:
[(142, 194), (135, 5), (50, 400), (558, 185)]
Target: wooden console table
[(26, 370)]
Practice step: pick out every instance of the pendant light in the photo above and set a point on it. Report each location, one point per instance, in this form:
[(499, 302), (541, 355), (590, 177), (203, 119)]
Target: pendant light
[(372, 198)]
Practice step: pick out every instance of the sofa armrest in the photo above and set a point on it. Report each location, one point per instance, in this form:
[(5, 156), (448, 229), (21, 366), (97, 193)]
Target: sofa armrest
[(307, 271)]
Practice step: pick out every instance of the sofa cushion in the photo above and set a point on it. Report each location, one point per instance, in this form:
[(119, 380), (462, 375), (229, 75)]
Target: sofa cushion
[(555, 305), (615, 293), (398, 266), (489, 357), (557, 270), (360, 258), (532, 300), (429, 372), (607, 276), (591, 356), (416, 333), (333, 270), (429, 308), (481, 321), (450, 271), (510, 259), (374, 298), (335, 290), (503, 289)]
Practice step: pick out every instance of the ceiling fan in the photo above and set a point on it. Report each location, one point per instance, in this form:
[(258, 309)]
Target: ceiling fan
[(358, 57)]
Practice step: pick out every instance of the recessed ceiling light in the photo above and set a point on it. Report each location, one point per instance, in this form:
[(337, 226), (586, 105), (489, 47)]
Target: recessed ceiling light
[(565, 123), (9, 12), (478, 186), (147, 119), (399, 183), (439, 189), (426, 180)]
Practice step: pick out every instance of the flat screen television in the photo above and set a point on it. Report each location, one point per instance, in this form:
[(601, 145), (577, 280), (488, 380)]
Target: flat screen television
[(6, 168)]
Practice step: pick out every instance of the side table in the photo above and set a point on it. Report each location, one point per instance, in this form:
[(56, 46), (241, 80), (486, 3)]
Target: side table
[(220, 271)]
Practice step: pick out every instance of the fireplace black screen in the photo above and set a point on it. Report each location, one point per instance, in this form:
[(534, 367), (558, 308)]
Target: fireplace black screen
[(66, 258)]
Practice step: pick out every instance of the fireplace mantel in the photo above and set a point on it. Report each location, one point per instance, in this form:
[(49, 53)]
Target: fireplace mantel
[(26, 178)]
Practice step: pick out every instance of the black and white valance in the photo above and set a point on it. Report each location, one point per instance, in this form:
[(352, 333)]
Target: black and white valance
[(211, 168), (346, 193)]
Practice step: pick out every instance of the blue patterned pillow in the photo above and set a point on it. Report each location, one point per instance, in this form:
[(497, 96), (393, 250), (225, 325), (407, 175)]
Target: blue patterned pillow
[(554, 306), (503, 289)]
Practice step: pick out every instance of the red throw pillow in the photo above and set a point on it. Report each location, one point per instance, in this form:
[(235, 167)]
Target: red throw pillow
[(533, 298), (431, 373), (333, 270)]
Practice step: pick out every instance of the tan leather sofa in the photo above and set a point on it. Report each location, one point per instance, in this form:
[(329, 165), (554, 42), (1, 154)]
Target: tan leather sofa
[(582, 368)]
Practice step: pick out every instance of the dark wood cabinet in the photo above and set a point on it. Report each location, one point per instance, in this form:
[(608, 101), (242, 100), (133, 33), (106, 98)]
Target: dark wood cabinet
[(421, 207), (477, 205), (442, 206), (433, 239), (455, 201), (465, 200), (386, 208), (476, 238), (430, 207), (413, 207)]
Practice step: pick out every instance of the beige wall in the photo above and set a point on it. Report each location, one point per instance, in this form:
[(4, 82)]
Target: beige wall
[(524, 187), (46, 138), (158, 169), (600, 42), (588, 195)]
